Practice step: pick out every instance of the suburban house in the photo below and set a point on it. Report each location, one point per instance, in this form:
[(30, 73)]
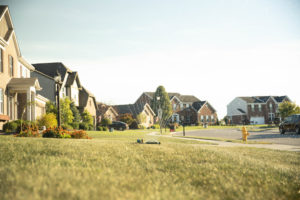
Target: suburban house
[(138, 109), (106, 111), (69, 86), (186, 108), (254, 109), (87, 101), (18, 98)]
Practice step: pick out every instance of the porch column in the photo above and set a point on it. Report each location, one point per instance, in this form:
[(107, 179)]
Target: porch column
[(32, 102), (28, 104)]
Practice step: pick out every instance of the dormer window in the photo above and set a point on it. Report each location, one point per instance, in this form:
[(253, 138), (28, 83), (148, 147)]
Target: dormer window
[(259, 107), (271, 106)]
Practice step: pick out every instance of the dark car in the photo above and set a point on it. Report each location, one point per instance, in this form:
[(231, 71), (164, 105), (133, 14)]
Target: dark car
[(118, 125), (291, 123)]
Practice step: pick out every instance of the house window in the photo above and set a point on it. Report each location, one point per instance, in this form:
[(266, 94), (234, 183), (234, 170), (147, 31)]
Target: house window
[(271, 107), (252, 107), (1, 60), (271, 116), (259, 107), (202, 118), (187, 105), (207, 118), (174, 106), (181, 106), (212, 118), (11, 65), (1, 101)]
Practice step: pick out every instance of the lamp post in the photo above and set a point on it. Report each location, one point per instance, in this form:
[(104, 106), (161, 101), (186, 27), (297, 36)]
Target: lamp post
[(183, 125), (57, 80), (159, 113)]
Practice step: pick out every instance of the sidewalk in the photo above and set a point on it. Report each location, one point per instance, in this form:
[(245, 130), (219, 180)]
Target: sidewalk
[(232, 144)]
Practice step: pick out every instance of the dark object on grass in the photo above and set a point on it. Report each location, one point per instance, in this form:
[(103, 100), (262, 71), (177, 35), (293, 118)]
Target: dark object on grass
[(152, 142), (140, 141)]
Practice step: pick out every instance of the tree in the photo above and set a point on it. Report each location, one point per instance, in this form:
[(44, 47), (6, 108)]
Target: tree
[(141, 118), (287, 108), (126, 118), (87, 117), (75, 111), (163, 103), (65, 111), (48, 120), (51, 108)]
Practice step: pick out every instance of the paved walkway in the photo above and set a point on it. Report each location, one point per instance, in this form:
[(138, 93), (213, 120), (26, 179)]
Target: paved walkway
[(232, 144)]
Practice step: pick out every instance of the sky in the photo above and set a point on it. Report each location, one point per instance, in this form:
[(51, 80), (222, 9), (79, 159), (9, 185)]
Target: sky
[(215, 50)]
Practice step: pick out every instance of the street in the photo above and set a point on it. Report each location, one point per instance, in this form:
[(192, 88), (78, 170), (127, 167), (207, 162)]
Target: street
[(272, 136)]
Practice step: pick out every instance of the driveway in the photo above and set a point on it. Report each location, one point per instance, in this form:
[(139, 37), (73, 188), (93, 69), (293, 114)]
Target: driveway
[(272, 136)]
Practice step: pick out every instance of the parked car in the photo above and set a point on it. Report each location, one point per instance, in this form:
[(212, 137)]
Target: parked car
[(291, 123), (118, 125)]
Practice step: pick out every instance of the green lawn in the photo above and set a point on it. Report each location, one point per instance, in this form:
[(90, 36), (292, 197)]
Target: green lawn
[(113, 166)]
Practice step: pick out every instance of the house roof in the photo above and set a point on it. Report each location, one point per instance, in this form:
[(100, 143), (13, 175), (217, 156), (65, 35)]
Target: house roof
[(198, 105), (263, 99), (134, 109), (103, 108), (2, 10), (24, 82), (183, 98), (51, 69), (71, 78)]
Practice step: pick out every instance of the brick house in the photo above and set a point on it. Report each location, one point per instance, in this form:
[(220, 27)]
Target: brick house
[(189, 107), (137, 109), (17, 89), (255, 109), (106, 111)]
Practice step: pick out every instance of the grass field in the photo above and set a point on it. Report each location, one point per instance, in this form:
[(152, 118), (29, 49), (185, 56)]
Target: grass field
[(113, 166)]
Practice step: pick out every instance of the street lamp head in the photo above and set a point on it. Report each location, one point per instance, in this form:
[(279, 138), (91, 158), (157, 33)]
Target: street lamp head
[(57, 78)]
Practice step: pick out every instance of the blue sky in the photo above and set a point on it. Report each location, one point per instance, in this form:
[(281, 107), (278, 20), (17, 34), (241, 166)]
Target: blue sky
[(215, 50)]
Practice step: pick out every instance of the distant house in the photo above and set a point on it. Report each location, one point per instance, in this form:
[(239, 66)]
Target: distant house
[(106, 111), (87, 101), (254, 109), (137, 109), (18, 91), (187, 108)]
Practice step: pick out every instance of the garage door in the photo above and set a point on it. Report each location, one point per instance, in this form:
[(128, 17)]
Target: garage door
[(257, 120)]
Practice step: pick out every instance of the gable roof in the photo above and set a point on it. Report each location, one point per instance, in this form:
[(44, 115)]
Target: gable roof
[(263, 99), (51, 69), (103, 108), (182, 98), (73, 77), (198, 105), (134, 109)]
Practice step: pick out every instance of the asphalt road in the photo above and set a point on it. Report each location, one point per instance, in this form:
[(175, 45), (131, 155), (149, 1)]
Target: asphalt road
[(272, 136)]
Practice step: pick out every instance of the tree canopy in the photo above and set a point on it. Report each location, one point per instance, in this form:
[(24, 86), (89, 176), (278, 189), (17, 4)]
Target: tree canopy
[(287, 108), (163, 103), (65, 111)]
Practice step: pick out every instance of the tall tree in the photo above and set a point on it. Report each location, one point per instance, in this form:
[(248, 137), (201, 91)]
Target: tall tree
[(287, 108), (75, 111), (87, 117), (162, 102), (51, 108), (65, 111)]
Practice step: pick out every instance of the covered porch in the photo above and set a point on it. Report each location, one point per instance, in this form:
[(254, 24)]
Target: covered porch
[(22, 98)]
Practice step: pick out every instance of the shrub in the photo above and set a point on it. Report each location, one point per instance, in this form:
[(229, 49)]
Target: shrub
[(30, 130), (48, 120), (75, 125), (155, 126), (104, 128), (67, 127), (134, 125), (105, 122), (91, 127), (10, 127), (141, 126), (83, 126), (79, 134), (56, 132), (99, 128)]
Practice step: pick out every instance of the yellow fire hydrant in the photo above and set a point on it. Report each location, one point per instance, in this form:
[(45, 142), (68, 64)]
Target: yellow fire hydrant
[(245, 133)]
